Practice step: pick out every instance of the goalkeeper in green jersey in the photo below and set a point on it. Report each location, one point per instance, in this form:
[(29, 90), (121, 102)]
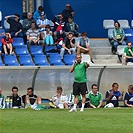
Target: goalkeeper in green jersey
[(2, 100)]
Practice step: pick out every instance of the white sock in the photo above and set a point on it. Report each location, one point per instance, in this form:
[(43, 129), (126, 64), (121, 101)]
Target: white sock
[(83, 104), (75, 105)]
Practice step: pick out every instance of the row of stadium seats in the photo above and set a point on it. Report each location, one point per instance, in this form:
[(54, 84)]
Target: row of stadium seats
[(109, 24)]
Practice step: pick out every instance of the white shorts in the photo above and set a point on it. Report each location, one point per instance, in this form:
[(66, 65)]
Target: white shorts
[(33, 106)]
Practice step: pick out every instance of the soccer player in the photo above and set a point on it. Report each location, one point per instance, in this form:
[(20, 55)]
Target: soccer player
[(80, 78), (2, 100), (32, 101)]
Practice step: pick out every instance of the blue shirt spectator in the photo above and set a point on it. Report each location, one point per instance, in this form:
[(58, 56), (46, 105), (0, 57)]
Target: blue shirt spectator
[(82, 42), (38, 12)]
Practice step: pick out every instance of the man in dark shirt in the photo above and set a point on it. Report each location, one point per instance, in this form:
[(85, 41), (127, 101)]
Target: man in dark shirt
[(67, 12), (32, 101), (15, 25), (68, 46)]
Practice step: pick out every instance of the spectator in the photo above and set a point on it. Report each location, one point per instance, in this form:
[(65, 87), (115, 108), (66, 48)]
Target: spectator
[(60, 100), (67, 12), (84, 45), (68, 45), (16, 99), (32, 101), (15, 25), (95, 97), (2, 100), (7, 44), (33, 34), (118, 36), (71, 26), (0, 19), (128, 53), (27, 25), (59, 27), (114, 96), (128, 99), (48, 38), (38, 12)]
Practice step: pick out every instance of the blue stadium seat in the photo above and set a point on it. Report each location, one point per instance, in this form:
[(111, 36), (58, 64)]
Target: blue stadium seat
[(18, 42), (26, 60), (21, 50), (49, 50), (10, 60), (129, 39), (36, 50), (69, 59), (128, 32), (1, 63), (41, 60), (56, 60)]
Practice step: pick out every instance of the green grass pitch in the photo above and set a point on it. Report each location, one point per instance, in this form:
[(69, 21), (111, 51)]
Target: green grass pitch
[(115, 120)]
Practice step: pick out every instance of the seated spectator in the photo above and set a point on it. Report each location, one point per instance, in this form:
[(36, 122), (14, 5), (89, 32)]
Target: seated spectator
[(68, 45), (15, 26), (33, 34), (128, 53), (118, 36), (71, 26), (83, 45), (60, 100), (2, 100), (59, 27), (67, 12), (7, 44), (95, 97), (47, 36), (128, 99), (38, 12), (27, 25), (32, 101), (114, 96), (0, 19)]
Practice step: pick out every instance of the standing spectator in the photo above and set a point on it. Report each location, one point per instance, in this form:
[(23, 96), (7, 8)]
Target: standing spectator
[(84, 45), (67, 12), (114, 96), (0, 19), (27, 25), (71, 26), (60, 100), (32, 101), (95, 97), (15, 26), (59, 27), (7, 44), (48, 38), (118, 36), (33, 34), (128, 53), (68, 45), (80, 79), (2, 100), (38, 12), (128, 99)]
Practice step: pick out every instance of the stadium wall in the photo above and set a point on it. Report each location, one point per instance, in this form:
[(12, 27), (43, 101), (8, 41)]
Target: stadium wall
[(89, 14)]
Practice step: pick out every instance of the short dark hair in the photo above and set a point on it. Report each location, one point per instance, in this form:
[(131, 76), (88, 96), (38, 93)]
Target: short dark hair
[(83, 34), (47, 26), (117, 23), (114, 84), (70, 17), (30, 88), (93, 86), (40, 8), (59, 88), (14, 87)]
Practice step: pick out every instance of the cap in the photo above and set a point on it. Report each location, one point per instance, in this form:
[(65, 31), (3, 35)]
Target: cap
[(42, 14)]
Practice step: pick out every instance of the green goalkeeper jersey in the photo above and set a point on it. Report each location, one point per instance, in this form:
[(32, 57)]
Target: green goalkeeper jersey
[(2, 101)]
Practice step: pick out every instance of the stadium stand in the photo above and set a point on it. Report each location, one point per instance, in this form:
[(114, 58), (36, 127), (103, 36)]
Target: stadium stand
[(1, 62), (18, 42), (124, 24), (41, 60), (69, 59), (51, 50), (21, 50), (108, 24), (36, 50)]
